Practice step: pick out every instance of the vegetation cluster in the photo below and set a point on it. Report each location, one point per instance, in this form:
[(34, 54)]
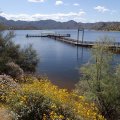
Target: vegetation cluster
[(38, 99), (100, 80), (12, 56), (106, 26), (31, 97)]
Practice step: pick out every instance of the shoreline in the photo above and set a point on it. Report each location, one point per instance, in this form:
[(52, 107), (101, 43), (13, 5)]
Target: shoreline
[(68, 29)]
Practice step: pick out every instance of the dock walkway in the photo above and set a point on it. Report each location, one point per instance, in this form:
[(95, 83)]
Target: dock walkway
[(48, 35), (66, 38), (84, 43)]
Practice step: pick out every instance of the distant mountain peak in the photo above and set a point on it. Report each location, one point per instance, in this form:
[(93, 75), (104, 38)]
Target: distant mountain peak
[(71, 21), (52, 24), (2, 18)]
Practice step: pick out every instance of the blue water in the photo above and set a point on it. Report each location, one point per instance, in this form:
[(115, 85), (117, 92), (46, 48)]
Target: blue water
[(58, 60)]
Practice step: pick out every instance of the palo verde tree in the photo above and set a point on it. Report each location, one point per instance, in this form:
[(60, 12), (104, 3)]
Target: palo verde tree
[(100, 80)]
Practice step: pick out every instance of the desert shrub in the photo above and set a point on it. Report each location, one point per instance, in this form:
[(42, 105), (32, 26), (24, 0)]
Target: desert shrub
[(6, 85), (28, 59), (100, 81), (41, 100), (14, 71), (10, 52)]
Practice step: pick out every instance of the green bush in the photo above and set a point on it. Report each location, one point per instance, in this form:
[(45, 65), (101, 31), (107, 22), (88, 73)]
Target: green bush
[(100, 82), (28, 59), (10, 52)]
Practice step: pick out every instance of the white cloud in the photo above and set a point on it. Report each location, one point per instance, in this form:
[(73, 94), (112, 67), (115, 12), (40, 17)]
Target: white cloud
[(36, 0), (76, 4), (113, 12), (37, 17), (101, 9), (58, 2)]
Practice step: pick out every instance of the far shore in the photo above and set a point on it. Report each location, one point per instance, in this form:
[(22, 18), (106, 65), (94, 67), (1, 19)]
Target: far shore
[(69, 29)]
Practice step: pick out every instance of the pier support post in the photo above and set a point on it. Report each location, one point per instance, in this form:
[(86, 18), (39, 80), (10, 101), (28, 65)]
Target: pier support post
[(78, 34), (82, 35)]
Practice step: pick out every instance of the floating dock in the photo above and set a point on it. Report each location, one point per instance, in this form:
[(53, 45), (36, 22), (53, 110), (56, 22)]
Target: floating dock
[(49, 35), (84, 43), (66, 39)]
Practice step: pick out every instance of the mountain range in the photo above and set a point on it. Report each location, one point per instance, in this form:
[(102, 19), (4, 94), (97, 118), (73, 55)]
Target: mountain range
[(51, 24)]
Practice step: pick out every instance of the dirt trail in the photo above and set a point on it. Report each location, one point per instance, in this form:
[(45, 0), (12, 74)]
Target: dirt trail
[(4, 115)]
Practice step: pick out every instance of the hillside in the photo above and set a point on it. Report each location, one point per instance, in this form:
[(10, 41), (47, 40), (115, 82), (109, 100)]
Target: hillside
[(51, 24)]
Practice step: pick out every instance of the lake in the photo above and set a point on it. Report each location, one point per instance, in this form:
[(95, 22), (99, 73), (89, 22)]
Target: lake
[(58, 60)]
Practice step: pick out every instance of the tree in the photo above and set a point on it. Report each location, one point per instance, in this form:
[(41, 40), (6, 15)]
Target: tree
[(28, 59), (101, 82), (10, 52)]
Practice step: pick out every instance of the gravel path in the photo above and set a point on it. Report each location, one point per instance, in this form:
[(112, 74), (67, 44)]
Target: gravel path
[(4, 115)]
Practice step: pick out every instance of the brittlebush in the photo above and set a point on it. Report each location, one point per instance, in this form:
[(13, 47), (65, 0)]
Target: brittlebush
[(41, 100)]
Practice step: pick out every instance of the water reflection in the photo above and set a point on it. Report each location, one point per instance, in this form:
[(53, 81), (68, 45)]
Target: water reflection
[(81, 54)]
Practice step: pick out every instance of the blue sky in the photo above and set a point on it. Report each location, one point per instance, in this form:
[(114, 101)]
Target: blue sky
[(61, 10)]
